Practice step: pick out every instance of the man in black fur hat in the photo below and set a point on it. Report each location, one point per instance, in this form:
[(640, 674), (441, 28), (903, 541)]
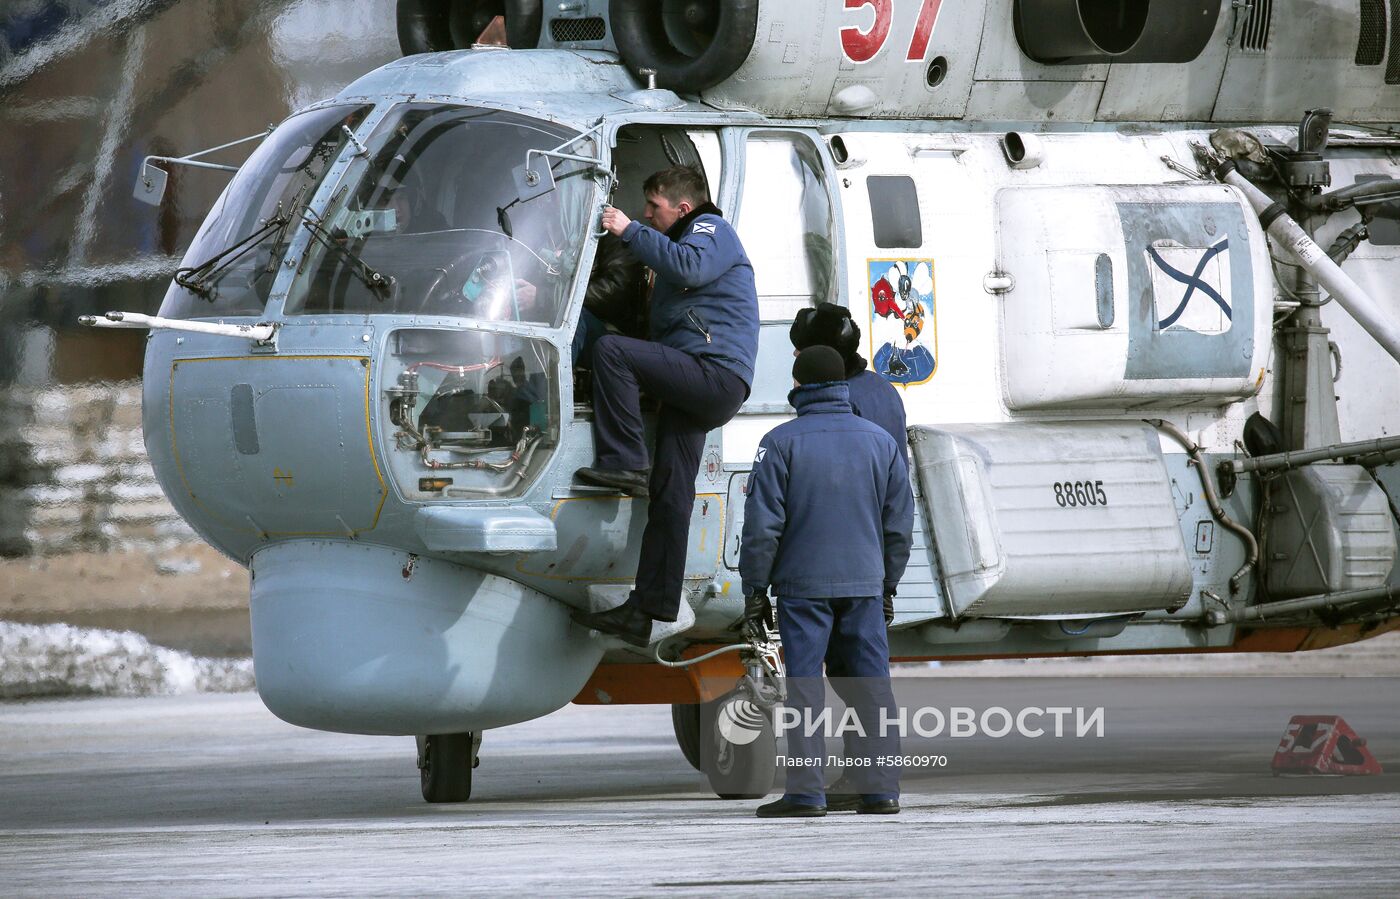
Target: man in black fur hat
[(826, 531), (872, 397)]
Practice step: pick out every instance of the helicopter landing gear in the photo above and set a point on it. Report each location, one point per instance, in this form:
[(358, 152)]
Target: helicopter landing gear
[(738, 746), (685, 721), (732, 740), (445, 763)]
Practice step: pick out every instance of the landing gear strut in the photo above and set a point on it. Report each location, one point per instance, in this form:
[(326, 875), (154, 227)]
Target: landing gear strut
[(732, 740), (445, 763)]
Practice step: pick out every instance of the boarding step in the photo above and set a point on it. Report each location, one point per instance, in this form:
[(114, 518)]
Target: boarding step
[(602, 597)]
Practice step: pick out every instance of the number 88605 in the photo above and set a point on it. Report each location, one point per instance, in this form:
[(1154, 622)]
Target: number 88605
[(1080, 493)]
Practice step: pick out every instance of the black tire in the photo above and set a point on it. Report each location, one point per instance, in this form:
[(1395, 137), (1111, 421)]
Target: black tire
[(685, 721), (738, 770), (445, 766), (643, 32)]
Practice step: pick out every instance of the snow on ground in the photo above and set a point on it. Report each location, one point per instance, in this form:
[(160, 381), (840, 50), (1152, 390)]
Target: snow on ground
[(62, 660)]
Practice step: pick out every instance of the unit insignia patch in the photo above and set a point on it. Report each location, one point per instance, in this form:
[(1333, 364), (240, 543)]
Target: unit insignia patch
[(903, 328)]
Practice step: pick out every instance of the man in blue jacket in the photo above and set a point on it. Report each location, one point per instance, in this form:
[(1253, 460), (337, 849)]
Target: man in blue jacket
[(874, 399), (698, 363), (826, 530)]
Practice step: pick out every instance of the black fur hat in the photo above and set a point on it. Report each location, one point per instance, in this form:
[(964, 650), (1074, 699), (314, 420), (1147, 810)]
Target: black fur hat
[(828, 324)]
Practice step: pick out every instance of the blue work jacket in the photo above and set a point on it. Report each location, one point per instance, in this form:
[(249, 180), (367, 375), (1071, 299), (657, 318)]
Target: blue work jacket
[(704, 302), (875, 399), (829, 510)]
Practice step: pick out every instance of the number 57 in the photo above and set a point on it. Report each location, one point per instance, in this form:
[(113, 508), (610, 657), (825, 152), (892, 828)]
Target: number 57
[(861, 46)]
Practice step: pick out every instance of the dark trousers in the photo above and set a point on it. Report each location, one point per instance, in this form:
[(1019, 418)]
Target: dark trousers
[(851, 632), (590, 329), (696, 397)]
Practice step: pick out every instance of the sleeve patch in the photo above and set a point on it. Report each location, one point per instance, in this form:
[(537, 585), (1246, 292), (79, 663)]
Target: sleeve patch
[(704, 228), (762, 451)]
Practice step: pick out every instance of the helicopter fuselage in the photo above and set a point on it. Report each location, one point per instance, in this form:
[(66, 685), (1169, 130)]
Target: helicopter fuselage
[(395, 465)]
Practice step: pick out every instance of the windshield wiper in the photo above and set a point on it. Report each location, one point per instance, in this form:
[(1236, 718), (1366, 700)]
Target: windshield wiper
[(380, 285), (198, 279)]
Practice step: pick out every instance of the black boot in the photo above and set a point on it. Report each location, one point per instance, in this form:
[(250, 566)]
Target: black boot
[(842, 796), (625, 621), (879, 807), (632, 483), (781, 808)]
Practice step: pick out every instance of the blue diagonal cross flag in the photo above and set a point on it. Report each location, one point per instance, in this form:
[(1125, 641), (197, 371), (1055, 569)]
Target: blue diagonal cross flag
[(1195, 306), (1193, 281)]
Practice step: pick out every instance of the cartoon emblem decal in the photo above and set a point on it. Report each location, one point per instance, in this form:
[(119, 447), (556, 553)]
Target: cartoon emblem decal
[(903, 332)]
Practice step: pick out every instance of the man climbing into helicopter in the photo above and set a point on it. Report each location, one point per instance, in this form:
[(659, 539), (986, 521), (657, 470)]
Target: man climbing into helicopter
[(699, 364)]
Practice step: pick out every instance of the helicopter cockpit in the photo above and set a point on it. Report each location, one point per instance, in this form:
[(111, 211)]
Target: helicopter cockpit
[(434, 212), (437, 215), (435, 225), (415, 212), (232, 263)]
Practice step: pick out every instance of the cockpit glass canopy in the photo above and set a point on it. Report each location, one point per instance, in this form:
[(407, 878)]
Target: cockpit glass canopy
[(253, 220), (433, 222)]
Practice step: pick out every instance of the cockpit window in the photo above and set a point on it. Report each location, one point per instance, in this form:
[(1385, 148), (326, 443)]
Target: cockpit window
[(435, 224), (230, 266)]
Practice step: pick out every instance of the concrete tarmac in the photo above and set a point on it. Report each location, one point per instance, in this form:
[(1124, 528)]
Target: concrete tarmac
[(211, 795)]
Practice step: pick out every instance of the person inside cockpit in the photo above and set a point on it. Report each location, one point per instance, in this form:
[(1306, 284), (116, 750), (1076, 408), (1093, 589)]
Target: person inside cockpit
[(615, 300), (414, 216), (413, 208)]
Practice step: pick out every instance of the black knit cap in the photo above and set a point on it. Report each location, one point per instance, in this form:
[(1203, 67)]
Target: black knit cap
[(817, 365)]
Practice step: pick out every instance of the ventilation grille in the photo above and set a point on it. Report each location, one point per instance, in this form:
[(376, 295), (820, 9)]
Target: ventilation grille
[(1370, 45), (1255, 34), (568, 31)]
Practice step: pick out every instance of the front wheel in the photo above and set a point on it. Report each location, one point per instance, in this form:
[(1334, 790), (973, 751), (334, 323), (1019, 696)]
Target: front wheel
[(445, 763), (738, 747)]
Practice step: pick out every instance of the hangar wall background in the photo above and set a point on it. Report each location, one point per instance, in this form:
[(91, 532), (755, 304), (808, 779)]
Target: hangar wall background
[(88, 88)]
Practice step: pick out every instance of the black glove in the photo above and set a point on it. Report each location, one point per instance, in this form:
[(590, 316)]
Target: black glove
[(758, 611), (889, 609)]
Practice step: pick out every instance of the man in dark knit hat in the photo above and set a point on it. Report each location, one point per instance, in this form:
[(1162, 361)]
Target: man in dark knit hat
[(826, 531), (874, 399)]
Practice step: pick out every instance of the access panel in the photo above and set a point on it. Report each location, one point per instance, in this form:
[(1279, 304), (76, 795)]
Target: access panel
[(1071, 519)]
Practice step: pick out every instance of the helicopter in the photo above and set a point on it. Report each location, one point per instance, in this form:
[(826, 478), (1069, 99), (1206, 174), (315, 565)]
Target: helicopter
[(1098, 248)]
